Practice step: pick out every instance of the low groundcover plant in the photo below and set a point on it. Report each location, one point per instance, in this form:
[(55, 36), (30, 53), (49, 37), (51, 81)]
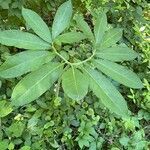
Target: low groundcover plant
[(46, 64)]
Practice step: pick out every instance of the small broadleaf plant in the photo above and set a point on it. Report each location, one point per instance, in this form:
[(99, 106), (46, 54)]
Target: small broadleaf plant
[(46, 64)]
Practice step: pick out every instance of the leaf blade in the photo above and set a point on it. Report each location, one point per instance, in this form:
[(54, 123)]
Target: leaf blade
[(22, 39), (100, 27), (42, 80), (107, 93), (5, 108), (119, 73), (71, 37), (24, 62), (111, 37), (37, 24), (84, 27), (62, 18), (117, 53), (74, 84)]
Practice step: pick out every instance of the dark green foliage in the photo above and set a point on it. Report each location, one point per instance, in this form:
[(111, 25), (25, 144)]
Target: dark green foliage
[(57, 122)]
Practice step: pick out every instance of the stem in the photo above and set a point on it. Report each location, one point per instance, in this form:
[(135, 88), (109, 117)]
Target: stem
[(88, 59), (60, 55), (73, 64)]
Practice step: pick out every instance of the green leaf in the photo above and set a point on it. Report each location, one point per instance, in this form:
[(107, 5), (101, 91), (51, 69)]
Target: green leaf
[(54, 144), (5, 108), (75, 84), (100, 27), (16, 129), (24, 62), (92, 145), (37, 24), (107, 93), (111, 37), (83, 142), (5, 4), (22, 39), (37, 82), (4, 144), (25, 148), (62, 18), (84, 27), (117, 53), (119, 73), (124, 141), (115, 148), (71, 37)]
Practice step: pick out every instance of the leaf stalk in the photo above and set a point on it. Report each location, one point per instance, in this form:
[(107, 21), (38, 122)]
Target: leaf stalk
[(73, 64)]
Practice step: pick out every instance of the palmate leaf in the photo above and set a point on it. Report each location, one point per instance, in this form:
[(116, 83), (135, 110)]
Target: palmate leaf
[(24, 62), (23, 40), (119, 73), (111, 37), (36, 83), (117, 53), (71, 37), (75, 84), (108, 94), (100, 27), (84, 27), (62, 18), (37, 24)]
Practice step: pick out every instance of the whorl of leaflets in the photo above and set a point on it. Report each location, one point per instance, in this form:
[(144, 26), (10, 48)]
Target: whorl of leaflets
[(40, 60)]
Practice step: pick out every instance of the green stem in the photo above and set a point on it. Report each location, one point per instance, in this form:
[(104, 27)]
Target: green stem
[(73, 64), (86, 60), (60, 55)]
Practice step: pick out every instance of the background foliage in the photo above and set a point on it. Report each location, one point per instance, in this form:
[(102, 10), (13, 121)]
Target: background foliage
[(51, 123)]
